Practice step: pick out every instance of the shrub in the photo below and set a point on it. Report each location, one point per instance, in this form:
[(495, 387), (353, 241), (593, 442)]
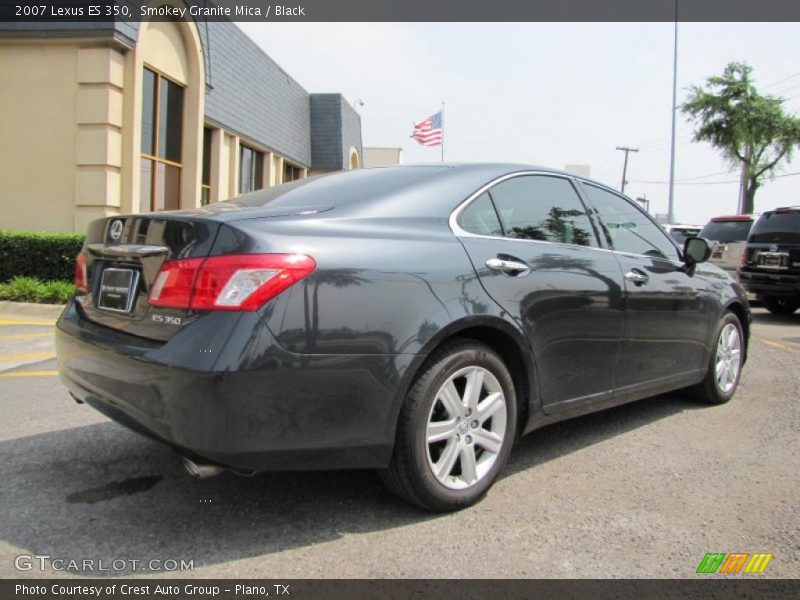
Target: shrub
[(45, 256), (29, 289)]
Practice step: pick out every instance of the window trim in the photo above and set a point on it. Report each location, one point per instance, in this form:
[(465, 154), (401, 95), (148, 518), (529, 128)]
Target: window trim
[(156, 125), (258, 177), (458, 231), (287, 164), (647, 215)]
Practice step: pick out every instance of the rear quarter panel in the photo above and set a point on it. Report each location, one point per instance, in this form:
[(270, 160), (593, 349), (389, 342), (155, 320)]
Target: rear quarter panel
[(388, 288)]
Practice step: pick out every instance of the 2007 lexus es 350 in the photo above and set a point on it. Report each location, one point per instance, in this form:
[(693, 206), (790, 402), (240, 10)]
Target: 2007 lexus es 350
[(413, 319)]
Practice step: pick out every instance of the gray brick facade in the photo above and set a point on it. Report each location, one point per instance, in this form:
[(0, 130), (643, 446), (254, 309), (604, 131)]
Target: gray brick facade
[(251, 95), (335, 128)]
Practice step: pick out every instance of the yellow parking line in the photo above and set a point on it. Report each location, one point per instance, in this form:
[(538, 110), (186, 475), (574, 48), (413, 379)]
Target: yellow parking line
[(16, 322), (26, 356), (30, 374), (779, 345), (26, 336)]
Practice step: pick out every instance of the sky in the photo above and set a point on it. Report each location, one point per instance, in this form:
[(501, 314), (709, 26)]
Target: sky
[(549, 94)]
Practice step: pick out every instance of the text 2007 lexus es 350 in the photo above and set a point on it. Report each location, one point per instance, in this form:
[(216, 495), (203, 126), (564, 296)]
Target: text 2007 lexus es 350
[(412, 319)]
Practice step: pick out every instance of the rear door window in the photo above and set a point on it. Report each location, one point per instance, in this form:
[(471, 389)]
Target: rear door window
[(544, 208)]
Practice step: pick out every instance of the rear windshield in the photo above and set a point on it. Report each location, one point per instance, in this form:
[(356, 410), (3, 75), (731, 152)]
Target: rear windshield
[(782, 227), (726, 231), (335, 189)]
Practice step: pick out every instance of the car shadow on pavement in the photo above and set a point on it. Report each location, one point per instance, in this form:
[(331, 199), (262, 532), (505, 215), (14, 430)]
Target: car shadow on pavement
[(566, 437), (102, 492), (766, 318)]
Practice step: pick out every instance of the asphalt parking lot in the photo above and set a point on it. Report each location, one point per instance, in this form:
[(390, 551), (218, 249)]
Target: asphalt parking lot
[(644, 490)]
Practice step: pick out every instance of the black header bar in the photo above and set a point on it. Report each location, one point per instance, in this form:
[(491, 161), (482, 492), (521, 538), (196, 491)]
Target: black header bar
[(100, 11)]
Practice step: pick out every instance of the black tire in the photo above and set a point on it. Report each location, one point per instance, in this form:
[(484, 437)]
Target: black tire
[(781, 306), (709, 389), (409, 475)]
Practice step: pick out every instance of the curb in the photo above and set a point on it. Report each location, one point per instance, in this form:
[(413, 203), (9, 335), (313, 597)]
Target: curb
[(28, 310)]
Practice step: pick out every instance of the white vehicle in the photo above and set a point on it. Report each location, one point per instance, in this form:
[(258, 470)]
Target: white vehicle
[(680, 232)]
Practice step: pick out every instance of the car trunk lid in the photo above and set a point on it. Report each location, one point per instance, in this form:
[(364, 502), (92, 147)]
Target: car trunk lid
[(123, 256)]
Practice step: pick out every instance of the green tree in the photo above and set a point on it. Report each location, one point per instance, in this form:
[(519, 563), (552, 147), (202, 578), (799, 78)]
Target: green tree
[(751, 130)]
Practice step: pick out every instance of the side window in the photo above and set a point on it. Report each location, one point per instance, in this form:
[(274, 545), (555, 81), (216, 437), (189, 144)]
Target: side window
[(538, 207), (480, 217), (627, 228)]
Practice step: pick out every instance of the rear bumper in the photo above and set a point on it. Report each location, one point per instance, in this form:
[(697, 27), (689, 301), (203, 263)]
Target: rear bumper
[(254, 407), (770, 284)]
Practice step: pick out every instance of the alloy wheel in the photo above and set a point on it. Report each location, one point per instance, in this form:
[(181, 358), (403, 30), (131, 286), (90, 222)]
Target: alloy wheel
[(466, 427), (729, 358)]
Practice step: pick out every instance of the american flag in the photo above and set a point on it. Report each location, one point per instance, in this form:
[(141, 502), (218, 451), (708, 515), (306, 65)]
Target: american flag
[(428, 132)]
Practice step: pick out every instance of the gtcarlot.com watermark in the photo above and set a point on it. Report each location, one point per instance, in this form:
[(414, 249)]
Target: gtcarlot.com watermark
[(45, 562)]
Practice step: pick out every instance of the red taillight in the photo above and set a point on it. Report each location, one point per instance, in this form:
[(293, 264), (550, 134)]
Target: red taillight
[(174, 283), (81, 279), (743, 259), (232, 282)]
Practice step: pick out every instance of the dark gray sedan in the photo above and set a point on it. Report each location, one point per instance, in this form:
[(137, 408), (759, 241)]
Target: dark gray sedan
[(414, 320)]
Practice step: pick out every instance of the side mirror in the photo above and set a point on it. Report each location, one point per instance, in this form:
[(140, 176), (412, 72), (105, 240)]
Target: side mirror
[(695, 250)]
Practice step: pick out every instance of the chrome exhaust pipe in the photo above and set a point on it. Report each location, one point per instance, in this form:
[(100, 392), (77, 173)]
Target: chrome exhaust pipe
[(200, 470)]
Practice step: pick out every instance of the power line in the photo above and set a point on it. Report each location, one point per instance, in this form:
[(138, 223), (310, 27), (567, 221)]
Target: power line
[(685, 130), (705, 176), (685, 138), (685, 182), (792, 76), (793, 87)]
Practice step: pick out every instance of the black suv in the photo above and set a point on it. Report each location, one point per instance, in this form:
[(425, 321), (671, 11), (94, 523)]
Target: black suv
[(771, 261)]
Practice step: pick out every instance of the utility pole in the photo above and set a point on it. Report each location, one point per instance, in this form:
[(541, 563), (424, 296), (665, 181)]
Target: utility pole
[(626, 150), (671, 204)]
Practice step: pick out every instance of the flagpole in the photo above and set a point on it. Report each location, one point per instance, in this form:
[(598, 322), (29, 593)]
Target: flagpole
[(442, 131)]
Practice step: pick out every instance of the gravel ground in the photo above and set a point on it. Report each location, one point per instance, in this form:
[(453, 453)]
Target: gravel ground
[(644, 490)]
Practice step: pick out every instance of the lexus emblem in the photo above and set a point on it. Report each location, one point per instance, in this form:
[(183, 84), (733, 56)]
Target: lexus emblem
[(115, 231), (773, 248)]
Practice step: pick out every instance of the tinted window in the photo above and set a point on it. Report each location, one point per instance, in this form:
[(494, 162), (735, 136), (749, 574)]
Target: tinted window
[(169, 120), (543, 208), (480, 217), (726, 231), (782, 227), (627, 228), (149, 81), (291, 172), (251, 169)]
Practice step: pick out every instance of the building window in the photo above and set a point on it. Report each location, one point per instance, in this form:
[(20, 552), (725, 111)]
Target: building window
[(291, 172), (251, 169), (162, 132), (205, 183)]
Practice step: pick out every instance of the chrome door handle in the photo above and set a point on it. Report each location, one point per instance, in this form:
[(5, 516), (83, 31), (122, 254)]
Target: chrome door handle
[(637, 277), (511, 267)]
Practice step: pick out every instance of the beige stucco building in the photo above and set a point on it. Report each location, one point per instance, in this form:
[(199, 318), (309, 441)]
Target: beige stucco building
[(382, 156), (139, 117)]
